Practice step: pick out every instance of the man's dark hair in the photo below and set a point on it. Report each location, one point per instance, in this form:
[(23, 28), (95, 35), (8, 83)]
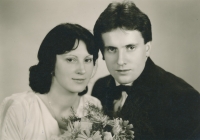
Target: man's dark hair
[(58, 41), (123, 15)]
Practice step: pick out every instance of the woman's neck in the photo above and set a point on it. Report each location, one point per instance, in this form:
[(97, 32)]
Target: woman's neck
[(60, 103), (62, 99)]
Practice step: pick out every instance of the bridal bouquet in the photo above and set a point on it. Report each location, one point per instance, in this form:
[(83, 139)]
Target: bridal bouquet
[(95, 126)]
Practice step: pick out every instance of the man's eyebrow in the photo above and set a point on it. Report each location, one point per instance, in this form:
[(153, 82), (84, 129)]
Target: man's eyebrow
[(90, 55), (109, 46), (131, 45), (128, 45)]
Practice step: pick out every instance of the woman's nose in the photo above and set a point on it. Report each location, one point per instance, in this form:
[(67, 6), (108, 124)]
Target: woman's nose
[(81, 68)]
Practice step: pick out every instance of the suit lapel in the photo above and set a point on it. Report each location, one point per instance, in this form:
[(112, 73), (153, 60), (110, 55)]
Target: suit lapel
[(108, 107)]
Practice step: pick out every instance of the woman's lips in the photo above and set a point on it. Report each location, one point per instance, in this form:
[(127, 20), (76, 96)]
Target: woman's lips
[(78, 80)]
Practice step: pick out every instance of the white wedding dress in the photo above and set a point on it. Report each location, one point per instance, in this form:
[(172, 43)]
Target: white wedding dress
[(24, 116)]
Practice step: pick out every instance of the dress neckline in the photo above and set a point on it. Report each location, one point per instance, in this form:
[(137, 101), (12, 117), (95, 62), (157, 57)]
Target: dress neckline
[(78, 110)]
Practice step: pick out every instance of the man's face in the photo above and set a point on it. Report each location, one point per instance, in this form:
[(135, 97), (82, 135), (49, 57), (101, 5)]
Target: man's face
[(125, 54)]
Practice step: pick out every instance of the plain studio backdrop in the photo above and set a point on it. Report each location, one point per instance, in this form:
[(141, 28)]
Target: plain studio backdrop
[(24, 24)]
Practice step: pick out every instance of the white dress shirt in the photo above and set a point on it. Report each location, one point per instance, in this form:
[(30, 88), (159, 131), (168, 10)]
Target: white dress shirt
[(118, 104)]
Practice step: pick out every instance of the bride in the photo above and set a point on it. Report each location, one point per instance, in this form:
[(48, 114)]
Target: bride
[(59, 81)]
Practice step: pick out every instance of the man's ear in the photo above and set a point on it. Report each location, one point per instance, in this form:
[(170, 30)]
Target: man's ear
[(148, 48)]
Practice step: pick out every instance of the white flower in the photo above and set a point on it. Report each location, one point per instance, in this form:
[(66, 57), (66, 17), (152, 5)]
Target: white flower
[(86, 135), (107, 136), (86, 125)]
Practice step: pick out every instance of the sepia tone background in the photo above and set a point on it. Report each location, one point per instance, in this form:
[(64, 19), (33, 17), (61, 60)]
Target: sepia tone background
[(24, 24)]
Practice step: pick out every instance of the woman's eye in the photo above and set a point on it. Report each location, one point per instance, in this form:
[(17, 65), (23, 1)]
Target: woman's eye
[(111, 49), (88, 60), (71, 60)]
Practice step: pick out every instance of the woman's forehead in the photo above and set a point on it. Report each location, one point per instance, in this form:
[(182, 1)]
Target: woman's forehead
[(79, 49)]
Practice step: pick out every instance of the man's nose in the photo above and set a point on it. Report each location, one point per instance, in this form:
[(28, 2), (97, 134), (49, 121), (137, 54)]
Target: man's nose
[(121, 55), (81, 68)]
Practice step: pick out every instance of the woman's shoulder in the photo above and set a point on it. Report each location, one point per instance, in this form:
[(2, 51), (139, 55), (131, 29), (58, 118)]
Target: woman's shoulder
[(14, 108), (85, 99), (22, 99), (22, 96), (88, 97), (91, 99)]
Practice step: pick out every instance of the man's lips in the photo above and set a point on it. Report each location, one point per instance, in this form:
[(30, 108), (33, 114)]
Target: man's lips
[(124, 70)]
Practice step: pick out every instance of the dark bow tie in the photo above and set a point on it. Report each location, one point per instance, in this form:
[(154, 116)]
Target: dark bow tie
[(117, 91)]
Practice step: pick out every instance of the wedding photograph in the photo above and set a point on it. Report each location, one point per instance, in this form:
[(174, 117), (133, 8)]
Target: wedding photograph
[(100, 70)]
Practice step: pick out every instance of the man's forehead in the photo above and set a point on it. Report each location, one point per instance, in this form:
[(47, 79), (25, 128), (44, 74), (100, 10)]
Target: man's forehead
[(122, 29), (121, 37)]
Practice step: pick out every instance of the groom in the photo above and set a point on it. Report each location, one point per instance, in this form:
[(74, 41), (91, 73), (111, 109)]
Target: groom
[(159, 104)]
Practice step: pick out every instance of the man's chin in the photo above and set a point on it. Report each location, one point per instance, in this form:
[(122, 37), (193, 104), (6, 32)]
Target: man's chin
[(124, 80)]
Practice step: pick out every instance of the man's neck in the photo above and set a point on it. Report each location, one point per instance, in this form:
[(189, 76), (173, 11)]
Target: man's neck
[(117, 84)]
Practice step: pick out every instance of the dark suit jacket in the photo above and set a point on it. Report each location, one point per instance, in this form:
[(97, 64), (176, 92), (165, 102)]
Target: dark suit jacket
[(161, 106)]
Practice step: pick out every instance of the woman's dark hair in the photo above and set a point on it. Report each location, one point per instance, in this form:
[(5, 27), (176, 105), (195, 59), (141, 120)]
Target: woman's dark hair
[(59, 40), (123, 15)]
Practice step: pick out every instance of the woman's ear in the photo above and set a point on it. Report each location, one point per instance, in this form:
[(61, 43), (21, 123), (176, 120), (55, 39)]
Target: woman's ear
[(148, 48), (94, 69)]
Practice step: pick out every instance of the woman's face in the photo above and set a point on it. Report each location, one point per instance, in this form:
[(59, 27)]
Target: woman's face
[(73, 69)]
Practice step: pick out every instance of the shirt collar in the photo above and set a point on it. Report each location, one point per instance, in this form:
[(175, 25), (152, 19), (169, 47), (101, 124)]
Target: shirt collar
[(117, 84)]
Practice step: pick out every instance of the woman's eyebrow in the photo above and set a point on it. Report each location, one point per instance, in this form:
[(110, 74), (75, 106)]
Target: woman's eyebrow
[(70, 55)]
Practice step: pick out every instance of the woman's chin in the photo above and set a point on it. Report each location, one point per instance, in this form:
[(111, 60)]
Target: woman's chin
[(78, 89)]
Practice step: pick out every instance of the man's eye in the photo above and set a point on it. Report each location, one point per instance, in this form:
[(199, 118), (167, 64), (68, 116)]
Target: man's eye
[(88, 60), (111, 49), (131, 48)]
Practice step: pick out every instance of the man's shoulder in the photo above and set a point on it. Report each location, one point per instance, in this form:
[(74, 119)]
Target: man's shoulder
[(171, 81), (165, 82), (168, 84), (104, 80), (100, 86)]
